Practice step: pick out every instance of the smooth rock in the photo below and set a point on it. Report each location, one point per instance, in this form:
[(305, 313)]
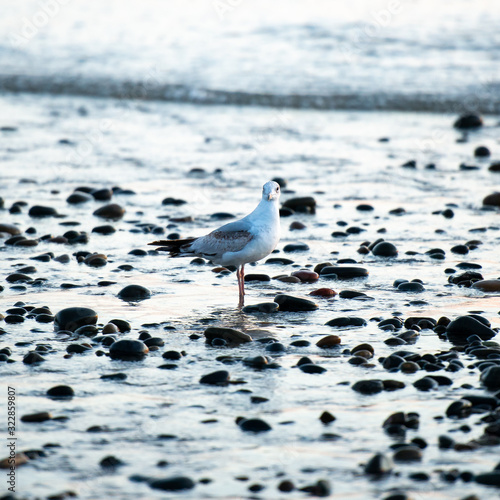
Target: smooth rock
[(61, 391), (408, 453), (176, 483), (41, 211), (487, 285), (10, 229), (492, 200), (263, 307), (329, 341), (465, 326), (72, 318), (220, 377), (255, 425), (491, 378), (134, 293), (128, 350), (306, 276), (346, 321), (344, 272), (468, 121), (323, 292), (111, 211), (289, 303), (368, 387), (379, 464), (78, 197), (411, 286), (231, 336), (385, 249)]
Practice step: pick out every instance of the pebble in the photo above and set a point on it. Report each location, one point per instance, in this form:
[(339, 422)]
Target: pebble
[(425, 384), (482, 152), (176, 483), (368, 387), (231, 336), (255, 425), (257, 277), (106, 229), (323, 292), (111, 211), (220, 378), (128, 350), (408, 453), (72, 318), (489, 478), (468, 121), (321, 488), (133, 293), (465, 326), (297, 226), (327, 418), (492, 200), (312, 368), (306, 276), (379, 464), (295, 247), (385, 249), (103, 194), (10, 229), (78, 197), (306, 204), (487, 285), (263, 307), (491, 378), (37, 417), (344, 272), (411, 286), (329, 341), (41, 211), (32, 358), (346, 321), (61, 391), (289, 303)]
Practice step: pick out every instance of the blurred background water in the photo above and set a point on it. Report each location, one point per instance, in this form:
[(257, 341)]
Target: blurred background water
[(362, 54)]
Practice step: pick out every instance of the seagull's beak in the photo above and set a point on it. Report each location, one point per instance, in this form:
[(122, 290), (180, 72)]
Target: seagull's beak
[(270, 196)]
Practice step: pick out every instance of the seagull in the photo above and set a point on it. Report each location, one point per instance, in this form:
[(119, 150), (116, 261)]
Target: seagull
[(237, 243)]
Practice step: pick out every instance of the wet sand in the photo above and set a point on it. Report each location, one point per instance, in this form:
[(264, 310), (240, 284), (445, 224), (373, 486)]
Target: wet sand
[(216, 159)]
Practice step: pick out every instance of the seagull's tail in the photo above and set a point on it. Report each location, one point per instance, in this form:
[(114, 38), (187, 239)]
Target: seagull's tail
[(175, 247)]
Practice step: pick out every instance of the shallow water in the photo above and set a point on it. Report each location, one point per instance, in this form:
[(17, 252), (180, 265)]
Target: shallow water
[(335, 157)]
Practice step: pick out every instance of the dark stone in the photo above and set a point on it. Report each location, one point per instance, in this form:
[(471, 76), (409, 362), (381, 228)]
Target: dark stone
[(411, 286), (491, 378), (72, 318), (312, 368), (128, 350), (465, 326), (379, 464), (257, 277), (306, 204), (294, 304), (425, 384), (134, 293), (61, 391), (33, 357), (344, 272), (220, 377), (385, 249), (177, 483), (264, 307), (173, 201), (327, 418), (254, 425), (41, 211), (460, 249), (468, 121), (78, 197), (102, 194), (112, 212), (295, 247), (106, 229), (346, 321), (489, 478), (110, 462), (368, 387)]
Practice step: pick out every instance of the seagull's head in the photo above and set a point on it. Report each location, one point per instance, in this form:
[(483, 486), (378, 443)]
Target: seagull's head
[(271, 191)]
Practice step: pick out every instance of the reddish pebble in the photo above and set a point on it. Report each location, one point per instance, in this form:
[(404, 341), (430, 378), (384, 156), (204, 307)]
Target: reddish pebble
[(328, 341), (324, 292), (304, 275)]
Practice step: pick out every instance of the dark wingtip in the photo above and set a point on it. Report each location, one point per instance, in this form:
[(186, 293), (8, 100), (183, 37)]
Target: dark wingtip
[(160, 243)]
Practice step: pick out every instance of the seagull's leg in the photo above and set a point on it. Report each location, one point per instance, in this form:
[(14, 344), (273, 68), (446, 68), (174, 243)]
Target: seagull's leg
[(242, 274), (238, 275)]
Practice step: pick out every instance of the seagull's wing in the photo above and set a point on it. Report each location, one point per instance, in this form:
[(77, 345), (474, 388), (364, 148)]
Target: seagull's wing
[(231, 237)]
